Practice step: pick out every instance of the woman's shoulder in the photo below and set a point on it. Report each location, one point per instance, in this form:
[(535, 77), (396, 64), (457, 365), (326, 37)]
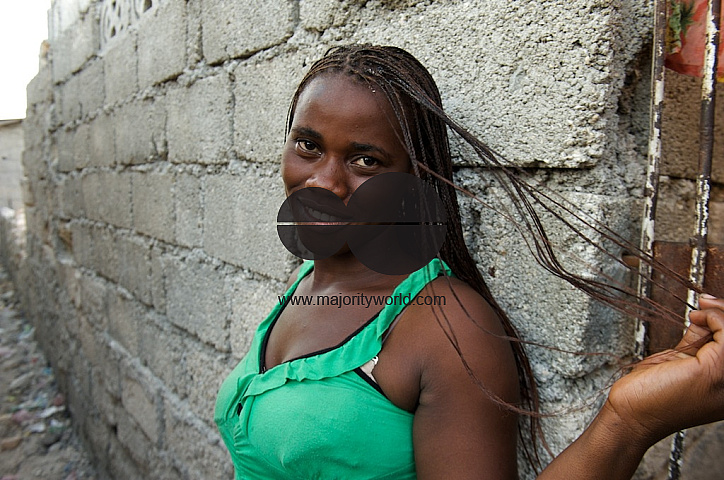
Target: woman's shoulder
[(465, 376), (460, 304), (451, 327)]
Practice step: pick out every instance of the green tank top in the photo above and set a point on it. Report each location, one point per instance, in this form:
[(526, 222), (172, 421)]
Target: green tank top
[(317, 417)]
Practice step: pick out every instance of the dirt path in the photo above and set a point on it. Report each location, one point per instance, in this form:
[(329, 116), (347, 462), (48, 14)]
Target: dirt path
[(36, 438)]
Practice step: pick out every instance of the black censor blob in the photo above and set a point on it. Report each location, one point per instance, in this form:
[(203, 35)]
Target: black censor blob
[(394, 223)]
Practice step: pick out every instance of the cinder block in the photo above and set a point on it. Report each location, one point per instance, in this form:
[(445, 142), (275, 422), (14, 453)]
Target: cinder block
[(72, 143), (195, 444), (153, 204), (107, 405), (98, 433), (240, 221), (40, 88), (162, 44), (36, 223), (189, 213), (199, 121), (141, 131), (74, 46), (111, 194), (159, 264), (259, 120), (111, 369), (69, 295), (134, 266), (163, 352), (80, 154), (121, 69), (321, 15), (124, 318), (206, 369), (82, 247), (142, 402), (89, 344), (251, 302), (70, 197), (120, 462), (93, 88), (105, 258), (68, 100), (39, 120), (193, 30), (131, 435), (225, 27), (79, 373), (83, 93), (196, 301), (68, 272), (42, 210), (101, 146), (680, 129), (93, 291), (34, 160), (46, 197)]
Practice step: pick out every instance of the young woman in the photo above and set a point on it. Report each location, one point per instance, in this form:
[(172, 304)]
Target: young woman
[(419, 391)]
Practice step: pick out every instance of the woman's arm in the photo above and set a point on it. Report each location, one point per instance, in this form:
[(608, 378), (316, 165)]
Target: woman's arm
[(459, 431), (666, 392)]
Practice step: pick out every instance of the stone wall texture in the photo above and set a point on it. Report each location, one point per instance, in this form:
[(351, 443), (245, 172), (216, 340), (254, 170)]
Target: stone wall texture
[(152, 184), (11, 167)]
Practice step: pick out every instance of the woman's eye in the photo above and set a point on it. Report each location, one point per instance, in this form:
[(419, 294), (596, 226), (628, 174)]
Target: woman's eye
[(365, 162), (306, 146)]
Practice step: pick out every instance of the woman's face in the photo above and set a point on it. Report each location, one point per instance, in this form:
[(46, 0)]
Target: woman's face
[(342, 134)]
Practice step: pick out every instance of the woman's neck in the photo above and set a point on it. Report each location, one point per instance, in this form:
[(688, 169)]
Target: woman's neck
[(346, 273)]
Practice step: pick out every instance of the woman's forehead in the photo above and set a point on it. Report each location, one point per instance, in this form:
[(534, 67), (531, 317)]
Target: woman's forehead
[(344, 96), (338, 86)]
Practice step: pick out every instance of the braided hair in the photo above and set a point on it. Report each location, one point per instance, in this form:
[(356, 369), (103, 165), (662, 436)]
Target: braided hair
[(417, 105)]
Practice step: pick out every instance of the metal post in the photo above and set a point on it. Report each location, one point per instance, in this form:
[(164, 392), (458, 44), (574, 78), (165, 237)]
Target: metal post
[(652, 170)]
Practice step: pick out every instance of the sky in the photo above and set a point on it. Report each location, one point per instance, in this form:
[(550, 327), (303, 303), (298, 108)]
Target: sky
[(23, 26)]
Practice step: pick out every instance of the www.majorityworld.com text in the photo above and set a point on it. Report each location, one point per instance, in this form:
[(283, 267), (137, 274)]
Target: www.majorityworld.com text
[(360, 299)]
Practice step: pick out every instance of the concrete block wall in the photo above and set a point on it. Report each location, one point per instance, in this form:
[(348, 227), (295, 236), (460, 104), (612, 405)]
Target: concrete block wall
[(152, 186)]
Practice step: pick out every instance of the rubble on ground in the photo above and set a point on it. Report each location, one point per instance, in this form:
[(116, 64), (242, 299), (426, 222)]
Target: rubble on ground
[(36, 438)]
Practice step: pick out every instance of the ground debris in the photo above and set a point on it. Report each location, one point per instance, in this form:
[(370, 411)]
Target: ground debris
[(36, 438)]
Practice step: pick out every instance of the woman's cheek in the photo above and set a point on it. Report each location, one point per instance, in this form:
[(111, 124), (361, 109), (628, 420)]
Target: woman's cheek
[(287, 169)]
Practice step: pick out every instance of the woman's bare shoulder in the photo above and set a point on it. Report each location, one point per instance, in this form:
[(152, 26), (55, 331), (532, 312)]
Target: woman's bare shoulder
[(462, 306), (467, 376), (458, 335)]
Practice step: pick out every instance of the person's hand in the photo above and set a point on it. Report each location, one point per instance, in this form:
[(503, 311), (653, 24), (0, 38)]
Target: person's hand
[(678, 388)]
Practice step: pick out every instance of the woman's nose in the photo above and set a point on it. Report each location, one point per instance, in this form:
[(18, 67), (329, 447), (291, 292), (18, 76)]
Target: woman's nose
[(331, 176)]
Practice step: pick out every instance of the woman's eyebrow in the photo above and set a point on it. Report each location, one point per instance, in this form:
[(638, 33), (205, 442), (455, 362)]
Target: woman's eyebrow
[(366, 147), (307, 132)]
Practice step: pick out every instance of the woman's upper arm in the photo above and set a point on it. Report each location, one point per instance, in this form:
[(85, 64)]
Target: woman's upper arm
[(460, 431)]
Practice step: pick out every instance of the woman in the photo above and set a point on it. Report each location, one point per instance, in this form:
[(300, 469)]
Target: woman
[(418, 391)]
